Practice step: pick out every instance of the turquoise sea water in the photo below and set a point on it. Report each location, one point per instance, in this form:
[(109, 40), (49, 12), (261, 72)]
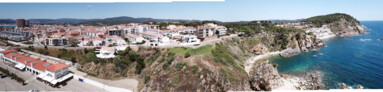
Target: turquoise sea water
[(351, 60)]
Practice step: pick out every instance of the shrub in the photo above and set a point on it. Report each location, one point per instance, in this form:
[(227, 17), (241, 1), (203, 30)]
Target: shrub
[(275, 65), (140, 65), (179, 66), (147, 79), (187, 54), (194, 69)]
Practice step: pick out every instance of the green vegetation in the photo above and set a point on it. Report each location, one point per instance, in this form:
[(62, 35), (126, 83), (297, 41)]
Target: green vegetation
[(198, 51), (187, 54), (168, 60), (227, 74), (330, 18), (221, 55), (194, 69), (147, 79), (176, 79), (180, 65), (3, 38), (252, 28)]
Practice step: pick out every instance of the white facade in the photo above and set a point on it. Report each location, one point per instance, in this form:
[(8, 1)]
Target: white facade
[(322, 33)]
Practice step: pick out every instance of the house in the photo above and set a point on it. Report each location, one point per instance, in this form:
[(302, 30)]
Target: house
[(155, 38), (189, 39), (134, 38), (48, 72), (92, 41), (118, 41), (106, 52)]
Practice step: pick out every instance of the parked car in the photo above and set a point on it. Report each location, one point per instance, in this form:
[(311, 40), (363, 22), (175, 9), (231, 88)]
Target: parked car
[(3, 76)]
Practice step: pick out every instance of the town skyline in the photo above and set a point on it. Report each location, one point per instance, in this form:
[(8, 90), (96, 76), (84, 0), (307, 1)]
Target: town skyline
[(225, 11)]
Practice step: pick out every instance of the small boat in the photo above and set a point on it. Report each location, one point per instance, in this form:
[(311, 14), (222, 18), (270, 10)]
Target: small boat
[(380, 40), (321, 54), (315, 55)]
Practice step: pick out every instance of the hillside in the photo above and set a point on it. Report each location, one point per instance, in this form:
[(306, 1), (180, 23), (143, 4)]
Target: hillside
[(7, 21), (341, 24)]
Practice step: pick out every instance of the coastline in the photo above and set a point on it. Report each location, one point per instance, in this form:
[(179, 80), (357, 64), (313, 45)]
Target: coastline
[(250, 62)]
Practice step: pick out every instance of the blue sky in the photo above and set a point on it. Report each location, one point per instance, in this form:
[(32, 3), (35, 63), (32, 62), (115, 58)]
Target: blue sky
[(229, 10)]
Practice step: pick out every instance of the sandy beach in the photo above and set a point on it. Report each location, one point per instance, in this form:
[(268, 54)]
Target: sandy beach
[(250, 62)]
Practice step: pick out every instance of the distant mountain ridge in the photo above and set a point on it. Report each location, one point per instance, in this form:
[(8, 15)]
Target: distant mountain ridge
[(126, 19), (7, 21), (59, 21), (105, 21)]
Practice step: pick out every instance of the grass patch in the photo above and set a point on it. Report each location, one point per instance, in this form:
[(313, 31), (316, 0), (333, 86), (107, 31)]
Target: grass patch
[(198, 51)]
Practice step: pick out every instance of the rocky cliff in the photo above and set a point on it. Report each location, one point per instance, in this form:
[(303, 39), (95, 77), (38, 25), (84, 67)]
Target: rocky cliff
[(264, 77), (340, 24)]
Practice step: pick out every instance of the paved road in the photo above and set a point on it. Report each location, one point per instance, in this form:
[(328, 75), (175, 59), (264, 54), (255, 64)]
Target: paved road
[(7, 84)]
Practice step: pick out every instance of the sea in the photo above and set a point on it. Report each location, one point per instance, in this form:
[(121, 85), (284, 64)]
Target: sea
[(351, 60)]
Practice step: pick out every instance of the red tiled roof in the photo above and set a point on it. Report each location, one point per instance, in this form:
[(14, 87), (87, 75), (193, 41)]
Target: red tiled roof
[(32, 61), (7, 51), (57, 66), (155, 35), (132, 35), (23, 59), (40, 66)]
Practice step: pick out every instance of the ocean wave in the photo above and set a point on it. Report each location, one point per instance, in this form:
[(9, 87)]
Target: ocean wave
[(365, 40)]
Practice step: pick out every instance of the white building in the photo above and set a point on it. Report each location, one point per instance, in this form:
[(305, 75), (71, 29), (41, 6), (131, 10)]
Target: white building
[(155, 38), (134, 38), (205, 31), (189, 40), (93, 41), (322, 32), (221, 29), (106, 52), (51, 73), (56, 41)]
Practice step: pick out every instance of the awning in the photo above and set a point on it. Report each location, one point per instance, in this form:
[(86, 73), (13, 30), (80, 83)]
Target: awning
[(53, 82), (65, 77), (20, 66), (47, 78), (41, 75)]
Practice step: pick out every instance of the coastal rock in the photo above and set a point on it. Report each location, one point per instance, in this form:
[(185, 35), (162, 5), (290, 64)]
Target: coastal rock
[(265, 77), (309, 42), (359, 86), (344, 86), (312, 81), (290, 52)]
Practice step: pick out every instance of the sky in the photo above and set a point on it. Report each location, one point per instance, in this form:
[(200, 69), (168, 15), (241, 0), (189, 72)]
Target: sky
[(226, 11)]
